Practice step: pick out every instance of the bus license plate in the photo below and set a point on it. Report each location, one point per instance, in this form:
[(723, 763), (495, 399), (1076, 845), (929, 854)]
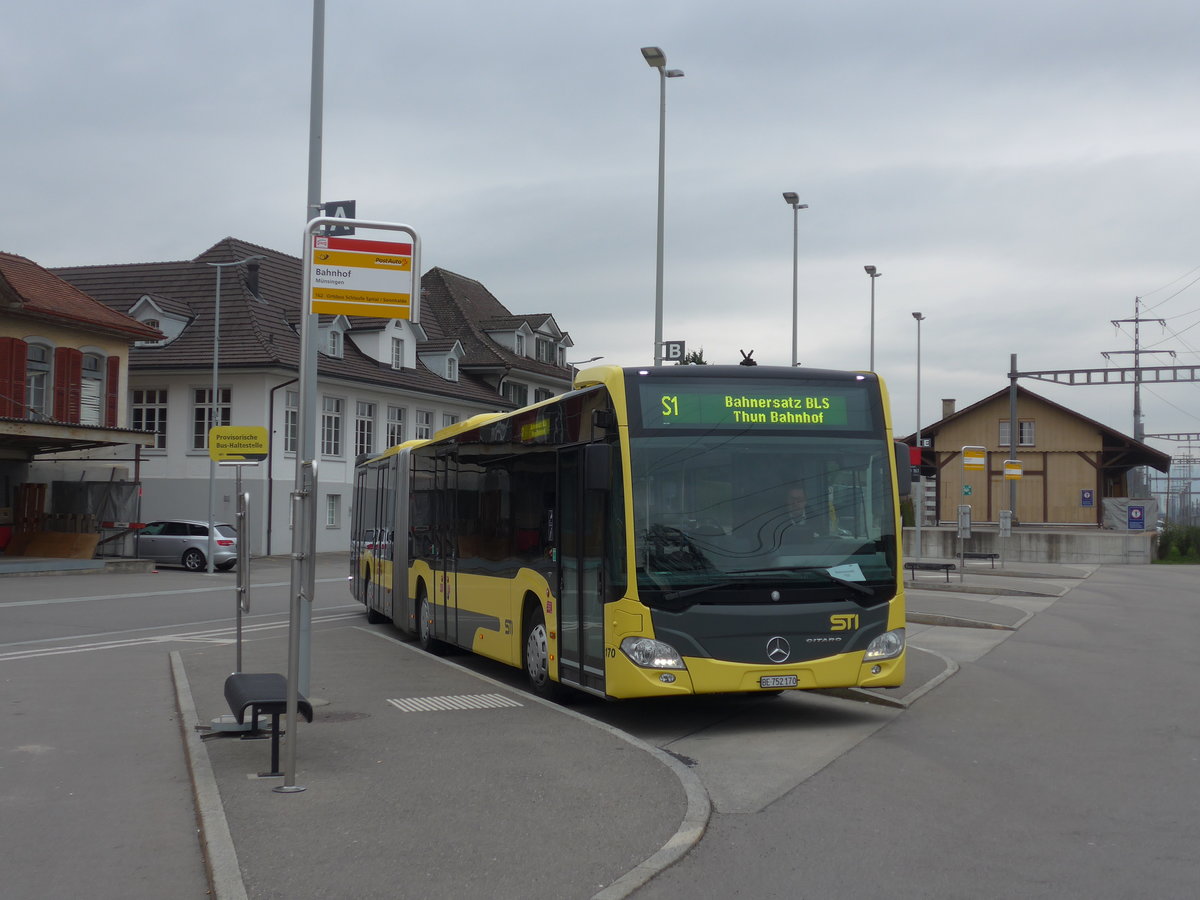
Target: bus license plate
[(777, 681)]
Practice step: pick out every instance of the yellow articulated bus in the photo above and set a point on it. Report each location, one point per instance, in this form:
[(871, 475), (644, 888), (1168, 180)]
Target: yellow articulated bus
[(652, 532)]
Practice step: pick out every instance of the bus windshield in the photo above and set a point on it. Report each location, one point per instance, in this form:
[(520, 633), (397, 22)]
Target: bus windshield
[(717, 513)]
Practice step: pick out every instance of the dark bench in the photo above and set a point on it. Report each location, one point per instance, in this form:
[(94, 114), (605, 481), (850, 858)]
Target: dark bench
[(915, 567), (990, 556), (263, 694)]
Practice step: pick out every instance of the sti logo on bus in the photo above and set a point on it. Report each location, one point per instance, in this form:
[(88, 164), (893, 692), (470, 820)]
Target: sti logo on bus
[(844, 622)]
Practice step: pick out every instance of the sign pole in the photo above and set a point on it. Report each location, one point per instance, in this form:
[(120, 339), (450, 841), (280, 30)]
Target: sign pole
[(342, 276)]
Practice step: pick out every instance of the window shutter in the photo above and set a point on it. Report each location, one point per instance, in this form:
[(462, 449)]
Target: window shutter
[(68, 384), (12, 377), (112, 384)]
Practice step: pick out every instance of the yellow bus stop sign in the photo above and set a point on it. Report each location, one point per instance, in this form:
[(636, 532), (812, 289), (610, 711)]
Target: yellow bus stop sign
[(238, 443)]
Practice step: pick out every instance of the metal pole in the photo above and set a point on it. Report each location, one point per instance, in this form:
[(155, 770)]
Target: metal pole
[(872, 366), (243, 577), (795, 283), (212, 422), (662, 175), (308, 418), (919, 505), (1014, 432)]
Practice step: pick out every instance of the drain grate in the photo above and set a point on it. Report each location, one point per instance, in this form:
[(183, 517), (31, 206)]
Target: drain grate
[(461, 701)]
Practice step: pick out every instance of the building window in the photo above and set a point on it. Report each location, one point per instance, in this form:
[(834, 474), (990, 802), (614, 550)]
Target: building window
[(1025, 433), (291, 421), (91, 398), (448, 419), (37, 381), (331, 426), (333, 510), (451, 369), (423, 429), (562, 356), (395, 425), (152, 323), (520, 345), (203, 417), (397, 353), (150, 414), (333, 344), (515, 392), (541, 394), (545, 350), (364, 428)]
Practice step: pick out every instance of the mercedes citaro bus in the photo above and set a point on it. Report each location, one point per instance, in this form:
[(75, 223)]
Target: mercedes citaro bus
[(652, 532)]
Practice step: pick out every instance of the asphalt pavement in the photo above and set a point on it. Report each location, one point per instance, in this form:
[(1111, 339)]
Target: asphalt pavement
[(423, 778)]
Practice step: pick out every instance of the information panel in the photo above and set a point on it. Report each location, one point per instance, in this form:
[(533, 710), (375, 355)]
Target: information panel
[(752, 405), (356, 277)]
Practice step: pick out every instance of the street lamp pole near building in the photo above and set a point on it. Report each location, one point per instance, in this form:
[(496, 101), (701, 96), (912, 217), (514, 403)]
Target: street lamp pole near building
[(213, 407), (874, 273), (794, 202), (919, 504), (656, 59)]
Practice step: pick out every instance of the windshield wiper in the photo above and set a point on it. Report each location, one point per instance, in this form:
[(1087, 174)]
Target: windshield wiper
[(861, 588)]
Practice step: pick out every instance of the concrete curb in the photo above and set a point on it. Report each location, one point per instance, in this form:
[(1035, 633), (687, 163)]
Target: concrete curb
[(216, 842), (695, 818)]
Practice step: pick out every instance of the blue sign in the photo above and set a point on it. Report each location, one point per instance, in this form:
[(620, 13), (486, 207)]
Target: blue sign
[(1087, 498), (1137, 518)]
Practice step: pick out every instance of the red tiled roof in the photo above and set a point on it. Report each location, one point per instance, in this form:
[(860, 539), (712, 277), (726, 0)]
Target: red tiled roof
[(28, 290)]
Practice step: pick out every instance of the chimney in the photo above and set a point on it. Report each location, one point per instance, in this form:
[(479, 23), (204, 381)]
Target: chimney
[(947, 408)]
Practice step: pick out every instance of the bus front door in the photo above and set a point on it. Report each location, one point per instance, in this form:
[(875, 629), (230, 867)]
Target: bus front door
[(581, 557)]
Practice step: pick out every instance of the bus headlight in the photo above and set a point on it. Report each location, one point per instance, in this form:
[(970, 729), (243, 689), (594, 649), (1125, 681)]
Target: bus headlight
[(651, 654), (887, 646)]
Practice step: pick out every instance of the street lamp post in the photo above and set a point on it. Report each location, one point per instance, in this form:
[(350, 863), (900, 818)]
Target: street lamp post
[(794, 202), (874, 273), (656, 59), (919, 503), (212, 408)]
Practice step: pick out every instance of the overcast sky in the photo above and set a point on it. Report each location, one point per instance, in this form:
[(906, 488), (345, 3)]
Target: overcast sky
[(1018, 172)]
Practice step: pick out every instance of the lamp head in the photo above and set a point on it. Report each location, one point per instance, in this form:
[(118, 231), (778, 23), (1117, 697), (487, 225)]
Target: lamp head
[(654, 57), (791, 197), (872, 271), (918, 316)]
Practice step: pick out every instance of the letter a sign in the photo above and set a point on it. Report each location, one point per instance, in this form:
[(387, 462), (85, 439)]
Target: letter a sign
[(340, 209)]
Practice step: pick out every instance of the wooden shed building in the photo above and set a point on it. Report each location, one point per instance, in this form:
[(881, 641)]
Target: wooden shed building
[(1070, 463)]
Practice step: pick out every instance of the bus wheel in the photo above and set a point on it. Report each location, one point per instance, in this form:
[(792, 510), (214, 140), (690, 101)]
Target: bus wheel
[(425, 637), (537, 658), (374, 617)]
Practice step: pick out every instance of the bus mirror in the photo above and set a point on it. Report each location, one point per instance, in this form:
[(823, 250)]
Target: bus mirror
[(604, 418), (597, 467), (903, 469)]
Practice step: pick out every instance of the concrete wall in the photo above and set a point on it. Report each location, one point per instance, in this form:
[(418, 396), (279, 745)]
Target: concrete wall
[(1048, 545)]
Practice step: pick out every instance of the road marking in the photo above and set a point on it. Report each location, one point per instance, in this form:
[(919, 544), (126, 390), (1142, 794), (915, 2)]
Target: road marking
[(462, 701), (101, 634), (203, 590), (213, 636)]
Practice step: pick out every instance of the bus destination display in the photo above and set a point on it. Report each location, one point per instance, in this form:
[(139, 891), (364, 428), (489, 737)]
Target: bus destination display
[(749, 406)]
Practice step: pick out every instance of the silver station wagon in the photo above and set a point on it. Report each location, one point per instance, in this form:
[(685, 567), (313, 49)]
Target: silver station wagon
[(184, 542)]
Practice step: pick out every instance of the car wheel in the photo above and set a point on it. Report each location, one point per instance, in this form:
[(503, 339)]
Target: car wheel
[(193, 560)]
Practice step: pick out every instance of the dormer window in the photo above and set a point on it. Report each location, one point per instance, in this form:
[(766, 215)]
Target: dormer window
[(333, 345), (451, 368), (520, 345), (153, 323), (545, 350), (397, 353)]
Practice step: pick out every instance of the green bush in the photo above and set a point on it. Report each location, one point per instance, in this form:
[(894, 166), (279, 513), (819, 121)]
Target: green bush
[(1179, 543)]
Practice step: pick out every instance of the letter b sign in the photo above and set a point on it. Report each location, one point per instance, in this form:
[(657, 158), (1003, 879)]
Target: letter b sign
[(673, 351)]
